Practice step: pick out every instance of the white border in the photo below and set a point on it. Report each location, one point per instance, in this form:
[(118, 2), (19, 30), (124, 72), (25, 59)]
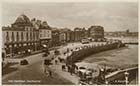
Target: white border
[(37, 1)]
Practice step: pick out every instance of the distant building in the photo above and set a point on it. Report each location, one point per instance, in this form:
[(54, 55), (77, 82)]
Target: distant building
[(64, 35), (79, 33), (68, 35), (96, 32), (21, 37), (55, 37), (126, 33), (45, 34), (85, 33), (72, 36)]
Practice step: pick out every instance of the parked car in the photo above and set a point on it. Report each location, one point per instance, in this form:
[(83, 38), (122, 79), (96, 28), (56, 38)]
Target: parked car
[(87, 70), (84, 73), (81, 71), (85, 41)]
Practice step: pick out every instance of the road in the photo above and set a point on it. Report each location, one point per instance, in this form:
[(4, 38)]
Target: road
[(34, 74)]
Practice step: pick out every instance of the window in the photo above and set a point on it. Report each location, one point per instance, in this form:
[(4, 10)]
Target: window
[(7, 36), (34, 35), (17, 36), (22, 36), (27, 35), (31, 35), (26, 28), (13, 39), (37, 36), (40, 35)]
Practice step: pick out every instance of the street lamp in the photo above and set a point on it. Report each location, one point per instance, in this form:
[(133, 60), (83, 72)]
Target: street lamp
[(126, 77)]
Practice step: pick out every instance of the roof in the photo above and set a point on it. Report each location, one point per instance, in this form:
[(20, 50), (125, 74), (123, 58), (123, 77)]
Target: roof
[(22, 19), (97, 28), (12, 29), (64, 29), (44, 27), (87, 65)]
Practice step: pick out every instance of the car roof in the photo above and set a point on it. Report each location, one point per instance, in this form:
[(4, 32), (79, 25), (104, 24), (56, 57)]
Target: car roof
[(87, 65)]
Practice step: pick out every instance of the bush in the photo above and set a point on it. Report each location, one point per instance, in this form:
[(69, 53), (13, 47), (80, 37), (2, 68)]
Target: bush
[(24, 62)]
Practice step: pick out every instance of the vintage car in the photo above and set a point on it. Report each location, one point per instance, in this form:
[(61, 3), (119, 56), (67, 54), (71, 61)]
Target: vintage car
[(87, 70), (85, 41)]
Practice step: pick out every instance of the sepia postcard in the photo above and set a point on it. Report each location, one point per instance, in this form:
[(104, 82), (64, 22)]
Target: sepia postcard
[(69, 42)]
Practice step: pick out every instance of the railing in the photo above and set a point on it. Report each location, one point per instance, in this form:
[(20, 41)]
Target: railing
[(86, 51), (120, 73)]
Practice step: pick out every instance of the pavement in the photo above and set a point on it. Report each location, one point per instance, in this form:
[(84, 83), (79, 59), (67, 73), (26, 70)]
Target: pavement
[(72, 78)]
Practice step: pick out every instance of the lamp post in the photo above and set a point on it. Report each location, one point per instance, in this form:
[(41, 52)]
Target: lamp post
[(126, 77)]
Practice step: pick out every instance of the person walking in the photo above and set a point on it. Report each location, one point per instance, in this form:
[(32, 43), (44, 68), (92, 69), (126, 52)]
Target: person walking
[(68, 68), (50, 73), (63, 67), (56, 62), (71, 69), (45, 65)]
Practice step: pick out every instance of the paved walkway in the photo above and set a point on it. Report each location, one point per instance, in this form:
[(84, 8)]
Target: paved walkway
[(57, 68)]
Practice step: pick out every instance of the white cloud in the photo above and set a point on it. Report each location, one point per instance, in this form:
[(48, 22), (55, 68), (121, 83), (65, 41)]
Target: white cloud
[(110, 15)]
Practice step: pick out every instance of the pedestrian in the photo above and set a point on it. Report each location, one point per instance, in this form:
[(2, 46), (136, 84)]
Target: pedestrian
[(64, 53), (63, 68), (68, 68), (50, 73), (67, 50), (56, 61), (71, 70), (45, 65)]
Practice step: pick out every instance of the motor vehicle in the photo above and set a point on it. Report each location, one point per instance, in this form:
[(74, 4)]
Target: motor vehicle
[(82, 69), (85, 41), (89, 74), (89, 69), (84, 73)]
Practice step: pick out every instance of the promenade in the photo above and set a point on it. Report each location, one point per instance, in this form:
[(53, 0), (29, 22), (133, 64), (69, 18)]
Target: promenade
[(34, 70)]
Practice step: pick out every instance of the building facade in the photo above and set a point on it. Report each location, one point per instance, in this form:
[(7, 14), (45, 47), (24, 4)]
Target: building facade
[(64, 35), (72, 36), (55, 37), (21, 37), (45, 34), (96, 32), (79, 34)]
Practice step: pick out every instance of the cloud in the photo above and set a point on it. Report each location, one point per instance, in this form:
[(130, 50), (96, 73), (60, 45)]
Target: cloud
[(120, 15)]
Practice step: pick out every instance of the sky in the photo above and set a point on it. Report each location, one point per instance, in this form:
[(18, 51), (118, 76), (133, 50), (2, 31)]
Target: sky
[(113, 16)]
